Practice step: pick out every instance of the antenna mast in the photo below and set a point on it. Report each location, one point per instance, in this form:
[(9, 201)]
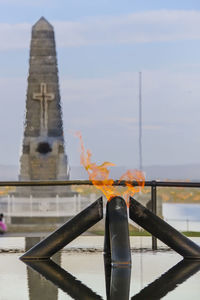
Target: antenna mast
[(140, 121)]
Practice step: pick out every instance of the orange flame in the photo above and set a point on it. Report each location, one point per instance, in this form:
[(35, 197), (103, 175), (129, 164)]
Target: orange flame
[(99, 175), (132, 175)]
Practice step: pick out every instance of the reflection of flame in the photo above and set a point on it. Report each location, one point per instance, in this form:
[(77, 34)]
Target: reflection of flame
[(99, 175)]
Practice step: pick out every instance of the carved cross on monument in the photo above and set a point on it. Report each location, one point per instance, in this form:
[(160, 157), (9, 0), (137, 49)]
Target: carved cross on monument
[(43, 97)]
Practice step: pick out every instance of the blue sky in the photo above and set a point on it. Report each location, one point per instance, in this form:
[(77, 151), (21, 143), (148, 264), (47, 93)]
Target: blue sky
[(16, 11), (101, 47)]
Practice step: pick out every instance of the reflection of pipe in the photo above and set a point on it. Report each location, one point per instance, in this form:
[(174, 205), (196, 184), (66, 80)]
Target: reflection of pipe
[(64, 280), (169, 281), (117, 233), (120, 283), (36, 284), (117, 281), (163, 231), (107, 270), (66, 233)]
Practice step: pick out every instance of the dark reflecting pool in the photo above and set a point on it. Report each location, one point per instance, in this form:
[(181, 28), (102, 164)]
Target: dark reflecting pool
[(73, 275)]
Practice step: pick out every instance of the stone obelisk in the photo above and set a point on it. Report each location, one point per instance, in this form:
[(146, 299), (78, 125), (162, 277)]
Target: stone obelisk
[(43, 154)]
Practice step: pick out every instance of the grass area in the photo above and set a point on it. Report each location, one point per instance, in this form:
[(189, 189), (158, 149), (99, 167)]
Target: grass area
[(191, 233), (139, 233), (145, 233)]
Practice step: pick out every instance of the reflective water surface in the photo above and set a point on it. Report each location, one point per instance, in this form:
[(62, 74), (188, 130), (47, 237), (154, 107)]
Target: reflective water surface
[(85, 276)]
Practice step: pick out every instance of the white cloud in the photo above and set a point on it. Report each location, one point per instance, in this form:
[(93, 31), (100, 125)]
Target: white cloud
[(95, 89), (14, 36), (128, 120), (167, 105), (76, 122), (152, 127), (141, 27)]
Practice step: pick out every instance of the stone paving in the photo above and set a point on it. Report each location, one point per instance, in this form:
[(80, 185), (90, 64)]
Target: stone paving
[(84, 244)]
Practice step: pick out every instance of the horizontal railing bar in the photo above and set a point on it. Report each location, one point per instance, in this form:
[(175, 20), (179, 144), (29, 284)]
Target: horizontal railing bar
[(175, 184), (89, 182)]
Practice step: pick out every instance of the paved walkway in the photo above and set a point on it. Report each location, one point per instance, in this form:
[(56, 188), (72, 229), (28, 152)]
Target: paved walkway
[(83, 243)]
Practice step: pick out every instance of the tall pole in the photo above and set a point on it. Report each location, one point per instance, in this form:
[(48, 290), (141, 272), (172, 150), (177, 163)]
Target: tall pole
[(140, 121)]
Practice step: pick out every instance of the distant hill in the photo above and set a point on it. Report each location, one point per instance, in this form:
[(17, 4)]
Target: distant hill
[(159, 172), (80, 173), (179, 172), (173, 172)]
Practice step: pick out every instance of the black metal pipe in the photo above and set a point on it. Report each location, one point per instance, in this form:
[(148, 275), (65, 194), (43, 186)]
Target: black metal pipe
[(67, 232), (64, 280), (169, 281), (154, 211), (163, 231), (117, 234), (107, 249), (175, 184), (99, 182)]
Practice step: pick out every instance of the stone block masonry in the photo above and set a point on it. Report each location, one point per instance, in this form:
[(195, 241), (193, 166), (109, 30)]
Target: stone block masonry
[(43, 152)]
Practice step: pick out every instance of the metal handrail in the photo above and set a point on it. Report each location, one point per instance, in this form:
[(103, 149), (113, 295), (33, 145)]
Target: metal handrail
[(155, 183)]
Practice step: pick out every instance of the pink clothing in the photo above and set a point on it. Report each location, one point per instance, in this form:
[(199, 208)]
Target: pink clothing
[(3, 226)]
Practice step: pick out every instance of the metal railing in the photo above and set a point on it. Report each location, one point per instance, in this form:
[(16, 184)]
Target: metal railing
[(154, 184)]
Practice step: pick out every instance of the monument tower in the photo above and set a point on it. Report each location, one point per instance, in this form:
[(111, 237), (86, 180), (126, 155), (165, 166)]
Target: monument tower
[(43, 154)]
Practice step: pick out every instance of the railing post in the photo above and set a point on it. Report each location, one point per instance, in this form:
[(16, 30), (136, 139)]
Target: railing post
[(154, 210), (9, 209)]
